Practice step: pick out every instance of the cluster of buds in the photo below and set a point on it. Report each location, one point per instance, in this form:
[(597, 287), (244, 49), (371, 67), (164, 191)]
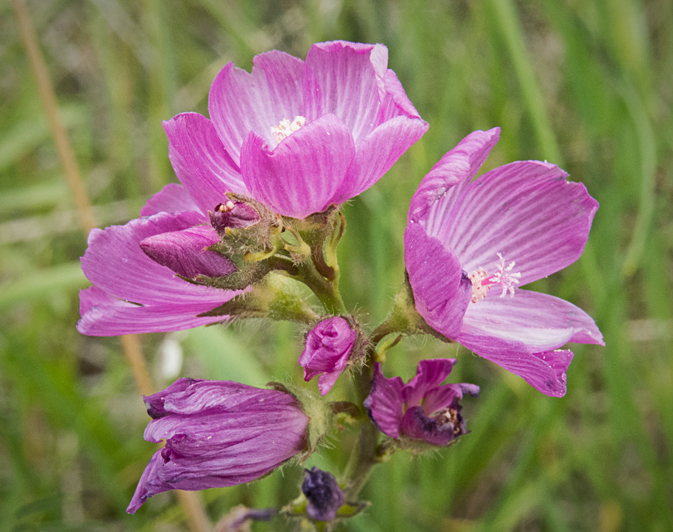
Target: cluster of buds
[(258, 211)]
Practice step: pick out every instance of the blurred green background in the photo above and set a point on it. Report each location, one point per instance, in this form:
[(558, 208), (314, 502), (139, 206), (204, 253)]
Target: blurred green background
[(584, 84)]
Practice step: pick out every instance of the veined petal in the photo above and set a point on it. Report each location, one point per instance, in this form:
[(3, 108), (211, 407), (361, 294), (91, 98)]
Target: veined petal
[(171, 198), (200, 160), (378, 152), (304, 171), (444, 396), (346, 79), (395, 102), (112, 317), (527, 212), (441, 291), (545, 371), (417, 425), (429, 374), (240, 102), (115, 263), (433, 202), (538, 321), (384, 403)]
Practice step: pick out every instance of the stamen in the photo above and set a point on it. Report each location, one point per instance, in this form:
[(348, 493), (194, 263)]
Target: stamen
[(286, 128), (482, 283)]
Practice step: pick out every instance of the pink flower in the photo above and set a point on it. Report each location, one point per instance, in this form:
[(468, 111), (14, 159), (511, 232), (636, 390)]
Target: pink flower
[(296, 135), (218, 433), (328, 347), (469, 245), (423, 409)]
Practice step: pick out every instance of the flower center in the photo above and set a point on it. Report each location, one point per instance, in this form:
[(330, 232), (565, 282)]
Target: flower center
[(482, 282), (448, 415), (286, 128)]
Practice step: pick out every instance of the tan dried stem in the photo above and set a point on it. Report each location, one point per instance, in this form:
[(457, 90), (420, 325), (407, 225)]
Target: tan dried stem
[(190, 502)]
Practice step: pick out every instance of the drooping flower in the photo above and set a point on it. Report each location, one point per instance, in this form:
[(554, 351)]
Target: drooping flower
[(423, 409), (296, 135), (328, 348), (323, 494), (469, 245), (218, 433)]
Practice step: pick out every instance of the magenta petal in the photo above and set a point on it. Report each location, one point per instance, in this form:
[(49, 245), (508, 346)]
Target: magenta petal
[(395, 102), (378, 152), (303, 173), (185, 252), (433, 202), (441, 291), (200, 160), (444, 396), (346, 79), (545, 371), (539, 321), (240, 102), (526, 211), (429, 375), (384, 403), (171, 198), (105, 315)]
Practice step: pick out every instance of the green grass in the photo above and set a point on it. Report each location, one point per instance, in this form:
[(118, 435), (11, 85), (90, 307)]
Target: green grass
[(586, 85)]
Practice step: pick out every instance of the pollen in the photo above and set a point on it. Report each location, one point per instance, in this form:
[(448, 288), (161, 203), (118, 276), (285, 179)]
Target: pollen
[(503, 277), (286, 128)]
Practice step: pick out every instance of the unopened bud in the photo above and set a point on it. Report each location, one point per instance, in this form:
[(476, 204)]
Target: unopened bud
[(323, 494), (233, 215)]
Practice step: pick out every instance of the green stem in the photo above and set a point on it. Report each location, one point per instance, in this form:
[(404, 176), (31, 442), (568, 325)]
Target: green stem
[(325, 290)]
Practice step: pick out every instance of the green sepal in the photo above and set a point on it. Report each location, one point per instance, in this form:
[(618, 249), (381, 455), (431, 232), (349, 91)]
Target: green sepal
[(276, 297)]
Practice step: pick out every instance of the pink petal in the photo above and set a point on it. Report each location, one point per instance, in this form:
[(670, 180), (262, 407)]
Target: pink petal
[(115, 263), (395, 102), (346, 79), (240, 102), (526, 211), (545, 371), (106, 315), (433, 202), (429, 375), (200, 161), (384, 403), (303, 173), (443, 396), (538, 321), (378, 152), (171, 198), (441, 292)]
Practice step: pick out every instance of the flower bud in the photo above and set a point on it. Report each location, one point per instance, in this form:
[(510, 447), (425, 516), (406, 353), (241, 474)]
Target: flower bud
[(323, 494), (218, 433), (421, 410), (328, 349), (185, 252)]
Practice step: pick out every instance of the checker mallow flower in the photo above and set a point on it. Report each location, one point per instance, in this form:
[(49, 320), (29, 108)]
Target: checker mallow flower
[(218, 433), (423, 409), (469, 245), (297, 136), (328, 348)]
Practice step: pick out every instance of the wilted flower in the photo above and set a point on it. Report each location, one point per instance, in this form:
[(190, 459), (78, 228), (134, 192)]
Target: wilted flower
[(469, 245), (328, 347), (218, 433), (296, 135), (323, 494), (423, 409)]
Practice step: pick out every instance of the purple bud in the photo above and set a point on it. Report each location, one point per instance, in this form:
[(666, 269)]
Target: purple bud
[(423, 409), (328, 349), (323, 494), (233, 215), (218, 433), (185, 252)]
